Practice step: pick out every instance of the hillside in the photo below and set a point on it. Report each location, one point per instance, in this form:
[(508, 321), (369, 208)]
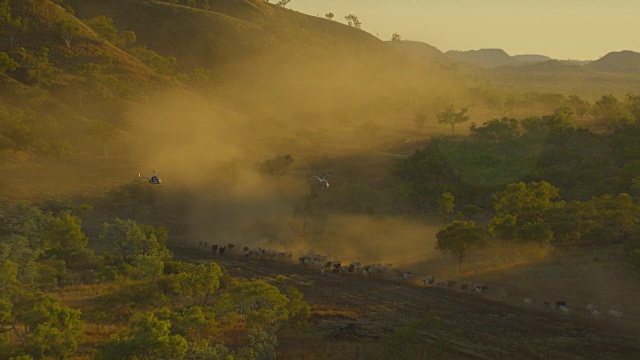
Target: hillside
[(620, 62), (420, 51), (484, 58), (70, 44)]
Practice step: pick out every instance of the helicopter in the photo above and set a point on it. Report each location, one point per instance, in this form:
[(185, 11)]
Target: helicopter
[(153, 179), (323, 182)]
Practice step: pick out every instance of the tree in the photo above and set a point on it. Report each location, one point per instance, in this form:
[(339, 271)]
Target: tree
[(64, 236), (11, 25), (7, 63), (42, 327), (131, 240), (68, 29), (446, 206), (420, 119), (148, 338), (103, 26), (283, 3), (608, 111), (37, 65), (451, 117), (352, 20), (521, 210), (395, 37), (260, 304), (459, 239), (199, 282), (632, 104), (580, 107), (329, 15)]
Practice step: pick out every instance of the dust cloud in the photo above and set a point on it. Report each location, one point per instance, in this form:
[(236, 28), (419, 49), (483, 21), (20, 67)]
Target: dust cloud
[(210, 146)]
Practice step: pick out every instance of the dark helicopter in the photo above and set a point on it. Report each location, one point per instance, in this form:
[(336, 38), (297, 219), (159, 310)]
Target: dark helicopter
[(323, 182), (153, 179)]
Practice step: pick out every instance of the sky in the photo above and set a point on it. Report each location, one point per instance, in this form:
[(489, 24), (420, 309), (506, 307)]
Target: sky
[(561, 29)]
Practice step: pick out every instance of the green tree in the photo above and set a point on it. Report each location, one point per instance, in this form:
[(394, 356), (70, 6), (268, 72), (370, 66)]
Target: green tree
[(452, 118), (609, 112), (579, 106), (261, 305), (446, 205), (42, 327), (132, 240), (64, 236), (459, 239), (11, 25), (521, 210), (616, 215), (329, 15), (67, 29), (283, 3), (103, 26), (7, 63), (632, 104), (148, 338), (199, 282), (39, 68)]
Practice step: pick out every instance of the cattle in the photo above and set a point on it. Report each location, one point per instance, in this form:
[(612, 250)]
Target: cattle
[(591, 307), (563, 309), (214, 249), (615, 313), (480, 288), (430, 280), (406, 276), (204, 244), (451, 283), (245, 249), (222, 250), (528, 301), (464, 287), (596, 314), (560, 303), (546, 303), (230, 246)]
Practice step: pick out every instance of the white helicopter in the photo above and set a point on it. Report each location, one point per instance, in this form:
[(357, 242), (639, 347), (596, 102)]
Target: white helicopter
[(153, 179), (323, 182)]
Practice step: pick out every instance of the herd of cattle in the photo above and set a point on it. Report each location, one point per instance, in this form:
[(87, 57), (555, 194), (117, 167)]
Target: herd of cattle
[(326, 266)]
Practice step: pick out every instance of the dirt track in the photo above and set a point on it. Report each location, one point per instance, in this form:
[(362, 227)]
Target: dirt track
[(354, 308)]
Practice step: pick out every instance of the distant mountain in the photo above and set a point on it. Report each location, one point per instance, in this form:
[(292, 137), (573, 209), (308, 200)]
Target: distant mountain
[(491, 58), (528, 58), (420, 51), (620, 61), (484, 58)]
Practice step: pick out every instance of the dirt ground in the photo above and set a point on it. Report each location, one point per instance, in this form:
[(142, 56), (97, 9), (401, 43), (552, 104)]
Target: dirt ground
[(353, 309)]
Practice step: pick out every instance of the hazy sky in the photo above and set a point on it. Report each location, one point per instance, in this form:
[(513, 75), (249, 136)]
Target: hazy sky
[(561, 29)]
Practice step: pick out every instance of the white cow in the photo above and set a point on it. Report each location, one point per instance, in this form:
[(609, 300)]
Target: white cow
[(615, 313)]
